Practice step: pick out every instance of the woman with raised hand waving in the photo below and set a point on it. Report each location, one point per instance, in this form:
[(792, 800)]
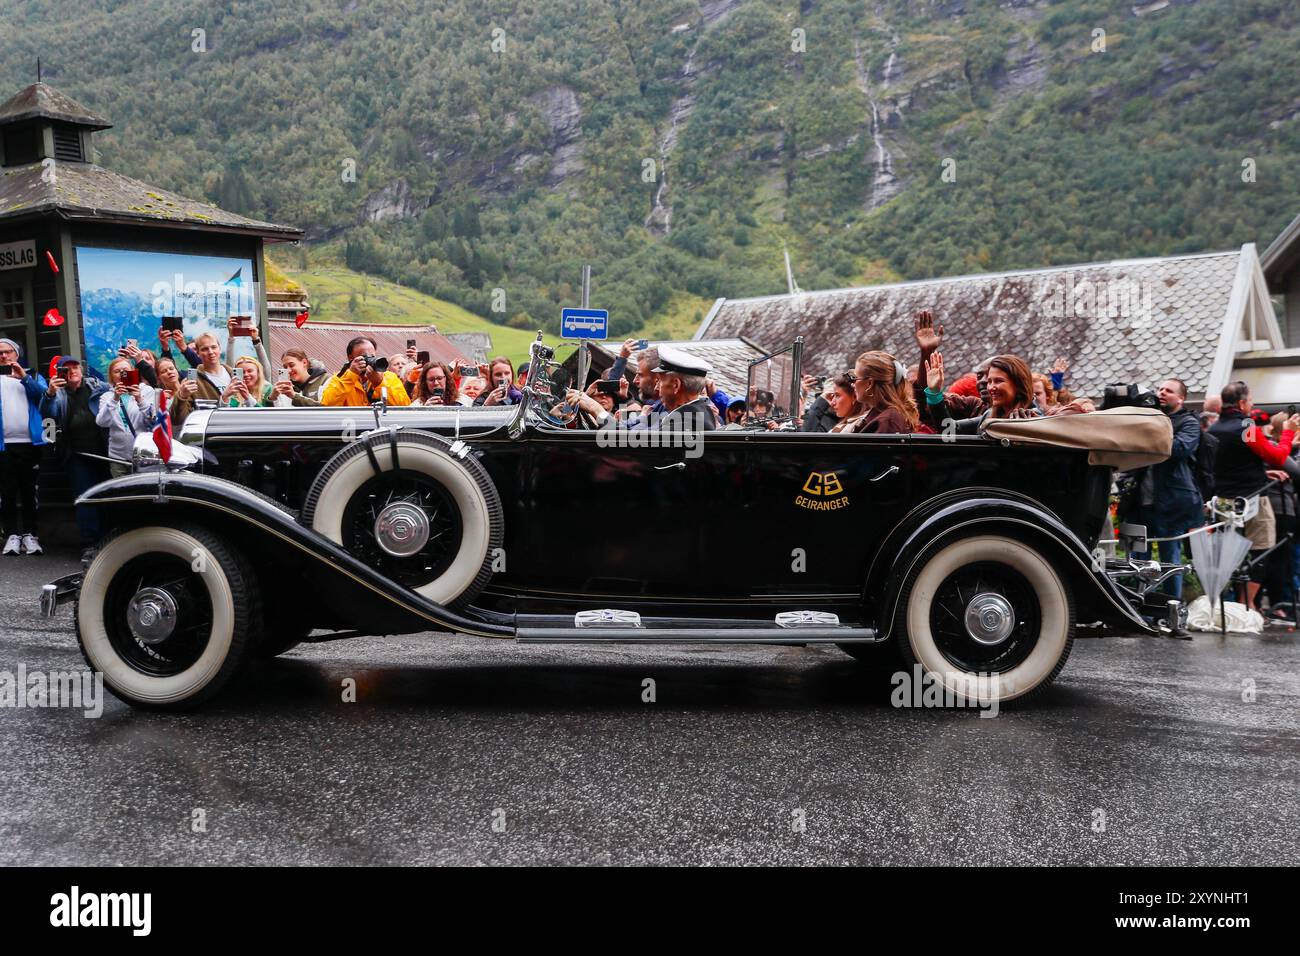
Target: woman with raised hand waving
[(1010, 387)]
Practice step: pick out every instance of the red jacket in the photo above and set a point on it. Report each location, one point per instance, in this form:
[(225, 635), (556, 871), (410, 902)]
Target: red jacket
[(1273, 454)]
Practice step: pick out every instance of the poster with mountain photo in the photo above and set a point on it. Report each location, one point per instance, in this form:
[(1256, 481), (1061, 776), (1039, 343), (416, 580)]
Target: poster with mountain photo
[(126, 292)]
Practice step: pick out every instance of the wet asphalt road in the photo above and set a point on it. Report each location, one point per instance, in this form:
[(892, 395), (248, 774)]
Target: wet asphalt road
[(449, 734)]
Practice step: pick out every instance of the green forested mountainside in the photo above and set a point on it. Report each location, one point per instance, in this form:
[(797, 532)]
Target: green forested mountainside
[(481, 168)]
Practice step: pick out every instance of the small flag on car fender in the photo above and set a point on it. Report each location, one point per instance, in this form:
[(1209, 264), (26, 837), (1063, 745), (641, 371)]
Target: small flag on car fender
[(53, 317), (162, 432), (301, 318)]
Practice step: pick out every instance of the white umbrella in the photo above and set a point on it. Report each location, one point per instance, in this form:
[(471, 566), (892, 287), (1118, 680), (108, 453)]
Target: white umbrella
[(1215, 555)]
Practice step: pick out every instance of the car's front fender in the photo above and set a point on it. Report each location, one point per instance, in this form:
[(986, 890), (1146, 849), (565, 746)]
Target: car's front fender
[(949, 517), (313, 568)]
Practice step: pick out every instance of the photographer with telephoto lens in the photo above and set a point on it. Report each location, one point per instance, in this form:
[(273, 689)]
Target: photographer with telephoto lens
[(364, 379)]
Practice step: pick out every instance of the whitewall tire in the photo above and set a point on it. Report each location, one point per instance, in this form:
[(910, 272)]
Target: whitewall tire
[(988, 614), (433, 523), (165, 614)]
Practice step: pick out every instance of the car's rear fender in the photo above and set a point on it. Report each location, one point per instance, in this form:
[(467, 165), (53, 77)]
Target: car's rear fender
[(294, 563), (967, 512)]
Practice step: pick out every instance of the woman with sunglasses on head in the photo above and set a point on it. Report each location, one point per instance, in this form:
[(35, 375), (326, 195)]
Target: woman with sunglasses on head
[(1010, 387), (125, 411), (882, 390)]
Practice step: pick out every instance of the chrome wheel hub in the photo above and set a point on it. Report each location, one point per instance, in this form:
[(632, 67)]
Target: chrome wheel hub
[(990, 618), (402, 529), (151, 615)]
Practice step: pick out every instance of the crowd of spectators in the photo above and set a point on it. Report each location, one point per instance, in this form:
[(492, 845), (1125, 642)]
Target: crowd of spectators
[(92, 417)]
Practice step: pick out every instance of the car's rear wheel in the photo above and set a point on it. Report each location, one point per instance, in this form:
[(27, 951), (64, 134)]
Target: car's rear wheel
[(414, 510), (166, 614), (986, 616)]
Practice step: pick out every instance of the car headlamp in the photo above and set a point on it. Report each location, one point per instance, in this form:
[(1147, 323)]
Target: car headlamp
[(145, 455)]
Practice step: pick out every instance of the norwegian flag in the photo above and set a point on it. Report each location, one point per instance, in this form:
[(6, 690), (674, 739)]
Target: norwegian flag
[(162, 432)]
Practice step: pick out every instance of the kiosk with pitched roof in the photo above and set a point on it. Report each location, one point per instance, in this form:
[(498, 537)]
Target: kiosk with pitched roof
[(86, 252)]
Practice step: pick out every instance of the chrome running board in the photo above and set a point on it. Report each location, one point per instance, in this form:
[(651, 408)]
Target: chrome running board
[(615, 625), (695, 635)]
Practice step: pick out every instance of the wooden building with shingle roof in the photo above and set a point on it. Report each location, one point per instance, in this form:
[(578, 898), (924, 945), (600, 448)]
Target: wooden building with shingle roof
[(1198, 317), (89, 256)]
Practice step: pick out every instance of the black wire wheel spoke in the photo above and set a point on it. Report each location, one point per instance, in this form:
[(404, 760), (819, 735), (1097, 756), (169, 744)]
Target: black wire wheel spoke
[(985, 618), (158, 614), (404, 524)]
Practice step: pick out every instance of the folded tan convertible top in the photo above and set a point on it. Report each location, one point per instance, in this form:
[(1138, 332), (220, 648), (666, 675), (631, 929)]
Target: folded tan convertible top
[(1119, 437)]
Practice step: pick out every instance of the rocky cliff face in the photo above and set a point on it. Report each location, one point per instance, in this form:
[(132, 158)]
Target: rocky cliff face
[(394, 201), (559, 107)]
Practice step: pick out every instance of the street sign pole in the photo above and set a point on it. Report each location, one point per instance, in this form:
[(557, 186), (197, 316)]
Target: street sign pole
[(584, 354)]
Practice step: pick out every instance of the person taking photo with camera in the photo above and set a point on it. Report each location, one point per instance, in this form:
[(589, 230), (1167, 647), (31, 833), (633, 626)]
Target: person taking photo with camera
[(364, 380)]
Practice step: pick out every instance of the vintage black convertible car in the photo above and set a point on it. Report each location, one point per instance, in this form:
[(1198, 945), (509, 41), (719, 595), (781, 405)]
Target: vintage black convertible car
[(967, 555)]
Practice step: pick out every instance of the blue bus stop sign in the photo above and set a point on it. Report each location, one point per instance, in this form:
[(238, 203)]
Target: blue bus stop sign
[(584, 324)]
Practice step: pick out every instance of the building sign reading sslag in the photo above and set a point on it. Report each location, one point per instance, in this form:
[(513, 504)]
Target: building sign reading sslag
[(584, 324), (18, 255)]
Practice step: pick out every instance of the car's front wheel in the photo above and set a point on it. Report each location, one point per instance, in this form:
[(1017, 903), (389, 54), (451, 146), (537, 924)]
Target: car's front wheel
[(166, 614), (987, 617)]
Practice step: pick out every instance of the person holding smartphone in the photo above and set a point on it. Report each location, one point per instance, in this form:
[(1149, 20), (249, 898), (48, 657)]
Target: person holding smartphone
[(21, 437), (214, 375), (247, 388), (436, 386), (144, 361), (303, 380), (609, 394), (244, 326), (170, 334), (500, 373), (471, 387), (181, 387), (125, 411), (71, 401)]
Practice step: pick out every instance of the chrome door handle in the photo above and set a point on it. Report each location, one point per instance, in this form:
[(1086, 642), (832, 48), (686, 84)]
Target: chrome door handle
[(679, 465), (891, 470)]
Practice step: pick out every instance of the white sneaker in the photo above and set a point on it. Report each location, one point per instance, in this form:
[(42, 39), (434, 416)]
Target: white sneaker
[(13, 545), (31, 545)]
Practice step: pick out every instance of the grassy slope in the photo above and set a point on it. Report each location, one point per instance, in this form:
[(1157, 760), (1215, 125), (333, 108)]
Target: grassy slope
[(331, 288), (679, 318)]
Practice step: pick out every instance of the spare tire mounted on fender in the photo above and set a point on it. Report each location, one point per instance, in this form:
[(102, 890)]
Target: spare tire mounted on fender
[(408, 506)]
